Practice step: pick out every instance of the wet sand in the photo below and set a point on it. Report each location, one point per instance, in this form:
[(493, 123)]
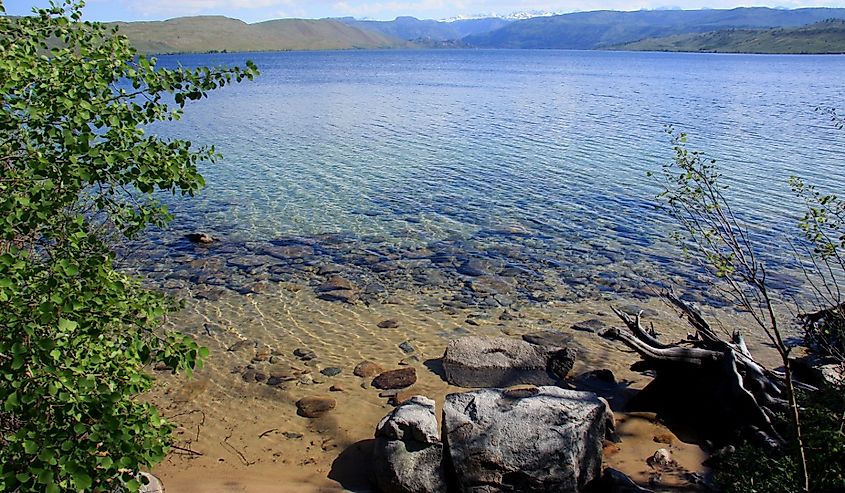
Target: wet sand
[(246, 436)]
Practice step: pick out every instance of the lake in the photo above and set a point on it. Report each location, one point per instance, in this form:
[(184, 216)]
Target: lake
[(542, 152), (374, 205)]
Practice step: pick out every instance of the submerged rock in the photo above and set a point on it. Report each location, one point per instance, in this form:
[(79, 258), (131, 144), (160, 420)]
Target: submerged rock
[(314, 407), (200, 238), (304, 354), (407, 347), (475, 268), (396, 379), (336, 283), (367, 369), (331, 371), (550, 338), (501, 362), (340, 295), (243, 344), (548, 441), (408, 455), (592, 325)]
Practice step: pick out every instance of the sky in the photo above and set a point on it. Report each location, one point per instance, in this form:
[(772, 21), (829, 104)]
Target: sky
[(259, 10)]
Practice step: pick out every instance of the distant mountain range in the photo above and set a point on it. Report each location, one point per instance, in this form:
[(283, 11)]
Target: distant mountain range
[(214, 33), (677, 30), (602, 29), (821, 37)]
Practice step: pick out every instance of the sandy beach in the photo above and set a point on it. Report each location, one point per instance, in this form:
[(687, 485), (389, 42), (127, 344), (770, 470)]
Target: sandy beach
[(236, 435)]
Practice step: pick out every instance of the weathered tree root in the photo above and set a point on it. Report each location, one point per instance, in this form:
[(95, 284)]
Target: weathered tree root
[(714, 385)]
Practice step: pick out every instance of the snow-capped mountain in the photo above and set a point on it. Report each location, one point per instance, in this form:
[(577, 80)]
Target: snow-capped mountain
[(513, 16)]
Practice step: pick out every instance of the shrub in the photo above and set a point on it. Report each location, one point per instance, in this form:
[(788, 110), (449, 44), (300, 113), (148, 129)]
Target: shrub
[(752, 470), (78, 171)]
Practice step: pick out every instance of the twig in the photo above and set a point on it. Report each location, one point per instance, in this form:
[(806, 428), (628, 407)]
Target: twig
[(186, 450), (267, 432), (225, 443)]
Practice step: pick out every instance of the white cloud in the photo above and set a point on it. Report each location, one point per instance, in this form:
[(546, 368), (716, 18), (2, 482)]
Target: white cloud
[(183, 7)]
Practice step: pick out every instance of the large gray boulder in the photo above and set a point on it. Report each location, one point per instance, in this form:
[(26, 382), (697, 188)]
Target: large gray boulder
[(473, 361), (408, 454), (542, 439)]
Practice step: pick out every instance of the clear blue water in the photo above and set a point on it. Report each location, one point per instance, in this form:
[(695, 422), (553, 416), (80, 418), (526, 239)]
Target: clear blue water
[(421, 147)]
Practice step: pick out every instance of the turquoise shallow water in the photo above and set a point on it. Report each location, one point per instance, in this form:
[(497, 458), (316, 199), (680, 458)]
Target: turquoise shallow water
[(540, 153)]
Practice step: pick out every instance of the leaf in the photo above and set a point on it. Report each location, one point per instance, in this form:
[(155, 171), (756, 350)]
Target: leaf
[(30, 447), (11, 402), (66, 325), (82, 481)]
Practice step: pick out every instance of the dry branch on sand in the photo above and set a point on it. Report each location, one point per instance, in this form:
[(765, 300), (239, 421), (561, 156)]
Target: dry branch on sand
[(708, 382)]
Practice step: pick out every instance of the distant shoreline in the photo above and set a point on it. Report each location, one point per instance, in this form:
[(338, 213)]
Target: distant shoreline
[(608, 50)]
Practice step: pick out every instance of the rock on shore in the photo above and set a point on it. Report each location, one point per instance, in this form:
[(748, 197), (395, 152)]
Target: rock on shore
[(526, 439), (548, 441), (408, 455), (501, 362)]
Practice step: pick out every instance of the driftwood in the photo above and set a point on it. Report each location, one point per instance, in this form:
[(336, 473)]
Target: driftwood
[(707, 384)]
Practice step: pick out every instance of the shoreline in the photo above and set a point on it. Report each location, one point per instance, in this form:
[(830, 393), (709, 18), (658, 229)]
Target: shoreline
[(249, 433)]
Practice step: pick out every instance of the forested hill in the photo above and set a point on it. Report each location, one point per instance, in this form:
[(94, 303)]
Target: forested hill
[(213, 33), (821, 37), (601, 29)]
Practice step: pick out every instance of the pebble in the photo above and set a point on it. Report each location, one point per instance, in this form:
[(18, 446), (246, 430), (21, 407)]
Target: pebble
[(304, 354), (367, 369), (314, 407), (275, 381), (396, 379), (662, 458), (592, 325), (389, 324), (246, 343), (407, 347), (336, 283), (341, 295), (330, 372)]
